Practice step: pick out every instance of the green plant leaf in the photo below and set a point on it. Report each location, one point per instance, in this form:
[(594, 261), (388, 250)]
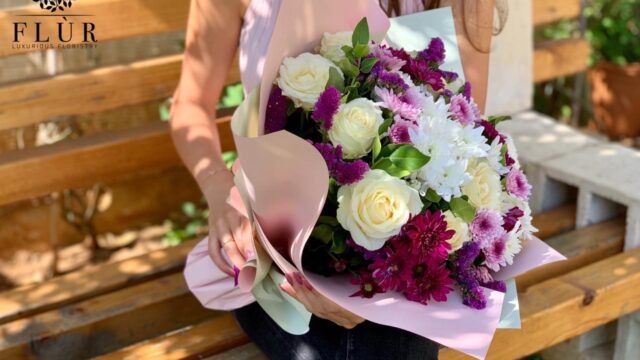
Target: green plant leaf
[(339, 243), (361, 33), (349, 69), (189, 209), (462, 209), (229, 158), (328, 220), (323, 233), (390, 168), (408, 158), (367, 65), (376, 148), (432, 196), (335, 79), (495, 120), (385, 126), (361, 50)]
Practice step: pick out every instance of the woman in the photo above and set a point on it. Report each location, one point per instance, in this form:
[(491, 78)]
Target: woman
[(215, 29)]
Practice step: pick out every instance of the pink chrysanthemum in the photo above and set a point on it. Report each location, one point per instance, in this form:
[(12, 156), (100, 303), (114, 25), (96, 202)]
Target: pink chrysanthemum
[(396, 104), (511, 218), (462, 110), (494, 253), (386, 57), (431, 281), (399, 131), (486, 226), (517, 184), (428, 235)]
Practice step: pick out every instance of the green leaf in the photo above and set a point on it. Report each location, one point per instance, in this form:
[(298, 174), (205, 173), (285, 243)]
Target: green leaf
[(361, 33), (408, 158), (339, 244), (323, 233), (385, 126), (361, 50), (349, 69), (495, 120), (462, 209), (328, 220), (229, 158), (390, 168), (348, 53), (432, 196), (189, 209), (388, 149), (503, 154), (335, 79), (376, 148), (367, 65)]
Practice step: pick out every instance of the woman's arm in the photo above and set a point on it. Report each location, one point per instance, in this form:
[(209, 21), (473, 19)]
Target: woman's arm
[(211, 42)]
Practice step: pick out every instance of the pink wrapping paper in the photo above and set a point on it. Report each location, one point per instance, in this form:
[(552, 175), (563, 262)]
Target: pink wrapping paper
[(285, 183)]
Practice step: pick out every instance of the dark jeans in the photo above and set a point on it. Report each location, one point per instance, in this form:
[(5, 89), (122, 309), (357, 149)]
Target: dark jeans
[(326, 340)]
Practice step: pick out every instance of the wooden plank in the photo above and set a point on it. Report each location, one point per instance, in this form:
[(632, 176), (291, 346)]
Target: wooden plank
[(581, 247), (98, 90), (549, 11), (85, 161), (114, 19), (556, 59), (80, 285), (207, 338), (555, 221), (105, 323), (569, 305)]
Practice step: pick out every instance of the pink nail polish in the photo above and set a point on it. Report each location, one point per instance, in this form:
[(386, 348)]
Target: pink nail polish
[(289, 278), (298, 278), (308, 285)]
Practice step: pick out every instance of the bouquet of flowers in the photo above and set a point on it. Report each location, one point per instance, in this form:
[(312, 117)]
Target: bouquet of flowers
[(425, 194), (369, 169)]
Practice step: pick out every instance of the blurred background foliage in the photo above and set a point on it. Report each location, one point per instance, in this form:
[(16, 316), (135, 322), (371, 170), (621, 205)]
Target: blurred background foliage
[(612, 28)]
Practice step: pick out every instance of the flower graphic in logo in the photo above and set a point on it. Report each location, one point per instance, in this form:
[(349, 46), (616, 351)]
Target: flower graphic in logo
[(54, 5)]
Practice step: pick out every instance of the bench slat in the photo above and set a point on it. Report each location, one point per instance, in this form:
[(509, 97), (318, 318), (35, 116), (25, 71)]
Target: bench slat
[(556, 59), (581, 247), (114, 19), (80, 285), (84, 161), (97, 90), (555, 221), (105, 323), (549, 11), (207, 338)]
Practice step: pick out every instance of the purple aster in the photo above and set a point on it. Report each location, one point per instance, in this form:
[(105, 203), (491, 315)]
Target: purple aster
[(474, 298), (496, 285), (347, 173), (467, 254), (466, 90), (387, 58), (494, 253), (448, 76), (276, 114), (462, 110), (344, 172), (399, 131), (447, 93), (486, 226), (511, 218), (396, 104), (392, 81), (327, 106), (434, 54), (517, 184)]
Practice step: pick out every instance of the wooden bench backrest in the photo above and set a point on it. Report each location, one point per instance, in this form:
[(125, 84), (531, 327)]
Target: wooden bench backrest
[(112, 155)]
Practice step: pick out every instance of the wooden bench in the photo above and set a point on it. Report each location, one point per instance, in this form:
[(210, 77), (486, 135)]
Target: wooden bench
[(141, 308)]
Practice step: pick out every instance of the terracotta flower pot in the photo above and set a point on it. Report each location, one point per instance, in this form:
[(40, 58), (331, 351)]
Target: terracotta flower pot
[(615, 93)]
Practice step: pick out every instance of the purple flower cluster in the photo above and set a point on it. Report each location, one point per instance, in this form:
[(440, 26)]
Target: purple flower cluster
[(326, 107), (344, 172), (276, 114), (434, 54)]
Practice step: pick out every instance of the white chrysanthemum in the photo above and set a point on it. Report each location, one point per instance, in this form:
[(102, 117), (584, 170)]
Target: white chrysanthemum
[(472, 143), (437, 109), (513, 246), (513, 153), (526, 226), (494, 157), (438, 138)]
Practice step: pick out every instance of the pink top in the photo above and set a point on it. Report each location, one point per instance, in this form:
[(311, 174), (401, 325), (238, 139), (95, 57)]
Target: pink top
[(259, 20)]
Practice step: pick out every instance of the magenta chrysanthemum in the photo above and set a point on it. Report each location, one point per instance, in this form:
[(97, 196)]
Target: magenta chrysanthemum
[(387, 270), (428, 235), (368, 286), (387, 58), (276, 114), (462, 110), (327, 106), (396, 104), (486, 226), (517, 184), (434, 54), (421, 74), (399, 131), (511, 218), (494, 253), (490, 131), (431, 281)]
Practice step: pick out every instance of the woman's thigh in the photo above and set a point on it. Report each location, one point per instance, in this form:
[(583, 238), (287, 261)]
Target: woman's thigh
[(327, 341)]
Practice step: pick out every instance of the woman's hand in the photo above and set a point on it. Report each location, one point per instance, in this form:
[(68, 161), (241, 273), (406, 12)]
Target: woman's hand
[(229, 230), (300, 289)]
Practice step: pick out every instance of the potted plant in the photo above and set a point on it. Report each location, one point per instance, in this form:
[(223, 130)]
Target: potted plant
[(614, 33)]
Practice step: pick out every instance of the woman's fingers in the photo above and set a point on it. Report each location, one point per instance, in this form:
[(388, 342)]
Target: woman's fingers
[(215, 252), (227, 229)]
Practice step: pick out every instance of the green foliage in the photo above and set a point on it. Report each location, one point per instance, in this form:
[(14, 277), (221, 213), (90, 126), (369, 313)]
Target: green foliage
[(462, 209), (614, 30), (232, 96), (361, 33), (191, 223), (400, 160)]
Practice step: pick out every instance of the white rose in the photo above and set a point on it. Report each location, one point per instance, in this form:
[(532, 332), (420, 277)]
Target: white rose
[(304, 78), (355, 126), (375, 208), (484, 190), (331, 45), (460, 227)]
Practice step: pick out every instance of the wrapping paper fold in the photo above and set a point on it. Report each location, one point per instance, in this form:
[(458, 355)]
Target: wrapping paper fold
[(281, 184)]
